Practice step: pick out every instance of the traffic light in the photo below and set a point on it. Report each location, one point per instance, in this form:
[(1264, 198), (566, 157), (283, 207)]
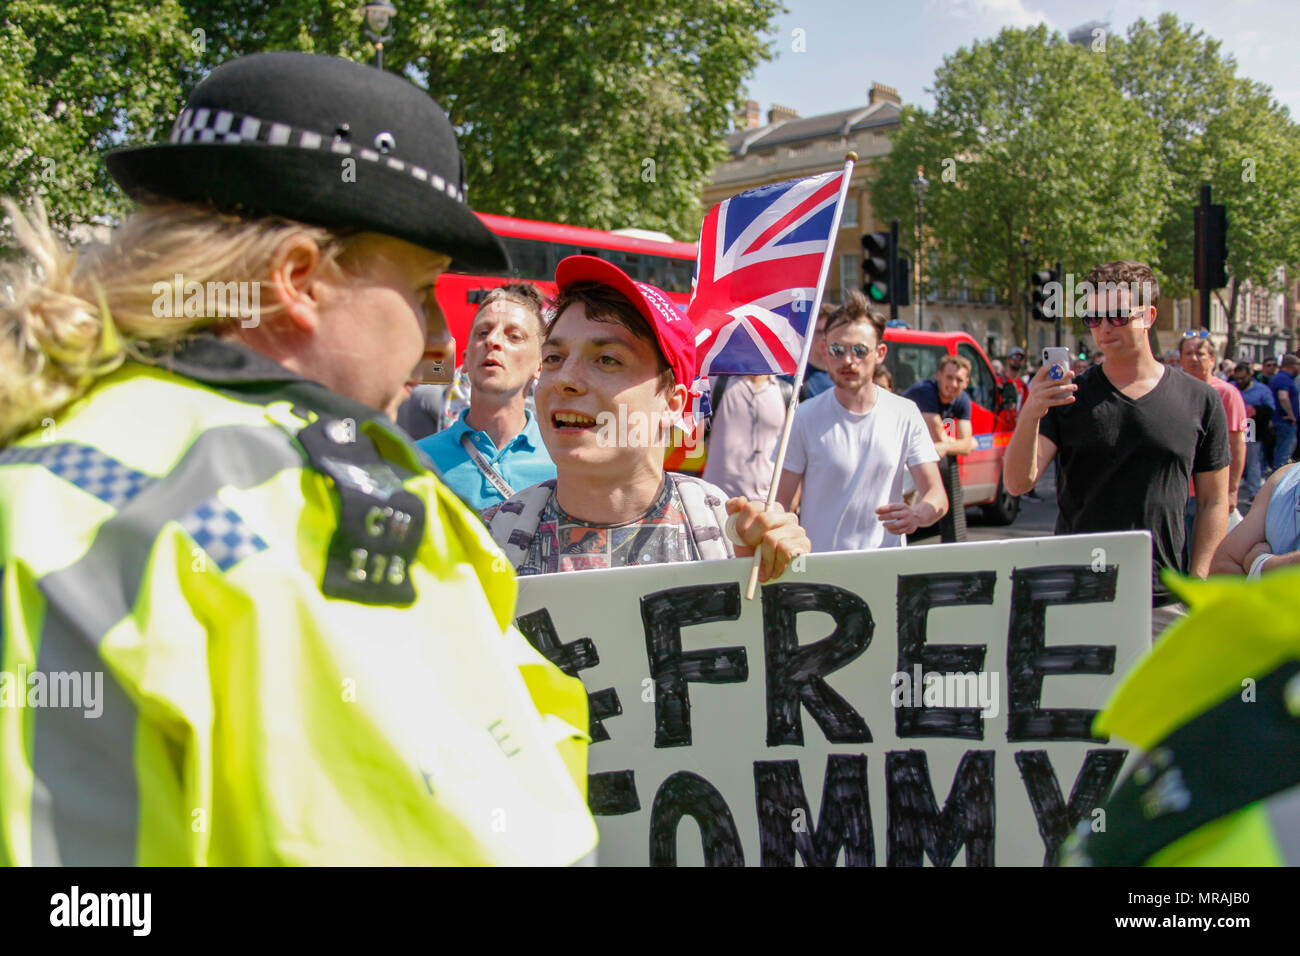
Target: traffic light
[(1040, 294), (1211, 253), (877, 265), (903, 282)]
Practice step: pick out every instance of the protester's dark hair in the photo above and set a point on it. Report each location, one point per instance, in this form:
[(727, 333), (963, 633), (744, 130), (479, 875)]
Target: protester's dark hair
[(523, 294), (857, 309), (606, 304), (884, 376), (1127, 272), (1243, 367)]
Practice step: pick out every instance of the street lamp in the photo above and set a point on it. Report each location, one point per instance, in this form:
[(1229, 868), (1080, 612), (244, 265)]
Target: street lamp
[(919, 186), (378, 16), (1025, 246)]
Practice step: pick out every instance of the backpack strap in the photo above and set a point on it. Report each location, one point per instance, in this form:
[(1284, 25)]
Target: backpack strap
[(706, 516), (515, 523), (717, 385), (787, 390)]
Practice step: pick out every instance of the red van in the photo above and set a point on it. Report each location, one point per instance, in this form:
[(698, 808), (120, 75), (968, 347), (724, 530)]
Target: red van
[(913, 356)]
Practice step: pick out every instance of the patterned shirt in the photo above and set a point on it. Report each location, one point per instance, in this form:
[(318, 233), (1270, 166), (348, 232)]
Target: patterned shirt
[(565, 543)]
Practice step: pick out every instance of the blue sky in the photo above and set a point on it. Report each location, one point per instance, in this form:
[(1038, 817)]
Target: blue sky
[(850, 43)]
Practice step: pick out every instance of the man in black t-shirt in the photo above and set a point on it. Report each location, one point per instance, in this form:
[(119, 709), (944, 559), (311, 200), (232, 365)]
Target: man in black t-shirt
[(945, 408), (1129, 435)]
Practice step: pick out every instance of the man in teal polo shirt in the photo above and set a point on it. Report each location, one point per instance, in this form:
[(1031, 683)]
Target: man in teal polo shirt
[(495, 449)]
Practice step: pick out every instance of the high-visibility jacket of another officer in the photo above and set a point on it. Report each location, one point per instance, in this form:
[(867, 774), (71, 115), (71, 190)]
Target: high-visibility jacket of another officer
[(243, 624), (1215, 707)]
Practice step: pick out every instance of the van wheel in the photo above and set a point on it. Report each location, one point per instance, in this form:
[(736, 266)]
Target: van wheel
[(1004, 508)]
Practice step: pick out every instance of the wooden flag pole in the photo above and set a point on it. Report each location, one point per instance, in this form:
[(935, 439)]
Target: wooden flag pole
[(849, 160)]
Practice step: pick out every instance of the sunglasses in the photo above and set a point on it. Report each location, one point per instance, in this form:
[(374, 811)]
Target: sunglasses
[(859, 351), (1116, 319), (1197, 334)]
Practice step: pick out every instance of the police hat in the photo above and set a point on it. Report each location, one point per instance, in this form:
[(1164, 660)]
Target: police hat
[(319, 140)]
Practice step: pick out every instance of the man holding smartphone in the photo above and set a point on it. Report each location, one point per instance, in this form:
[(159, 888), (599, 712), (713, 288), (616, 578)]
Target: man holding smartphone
[(1131, 434)]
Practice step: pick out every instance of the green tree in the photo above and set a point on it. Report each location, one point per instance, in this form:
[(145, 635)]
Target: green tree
[(579, 111), (1028, 138), (1218, 128), (76, 78)]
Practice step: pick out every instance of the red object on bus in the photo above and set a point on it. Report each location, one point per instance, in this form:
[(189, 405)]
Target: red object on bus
[(535, 249)]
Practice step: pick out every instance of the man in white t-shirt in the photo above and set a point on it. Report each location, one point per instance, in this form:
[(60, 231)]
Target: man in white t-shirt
[(850, 446)]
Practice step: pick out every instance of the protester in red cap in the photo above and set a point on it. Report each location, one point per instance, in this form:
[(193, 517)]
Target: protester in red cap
[(617, 366)]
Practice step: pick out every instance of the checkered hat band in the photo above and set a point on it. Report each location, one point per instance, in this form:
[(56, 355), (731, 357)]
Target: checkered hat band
[(206, 125)]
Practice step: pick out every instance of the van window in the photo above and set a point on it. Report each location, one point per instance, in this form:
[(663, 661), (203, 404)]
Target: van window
[(910, 362), (982, 387)]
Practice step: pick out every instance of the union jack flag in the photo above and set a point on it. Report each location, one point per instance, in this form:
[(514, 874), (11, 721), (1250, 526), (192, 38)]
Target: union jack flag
[(756, 276)]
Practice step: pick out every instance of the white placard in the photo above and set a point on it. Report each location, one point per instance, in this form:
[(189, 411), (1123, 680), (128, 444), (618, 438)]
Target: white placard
[(718, 721)]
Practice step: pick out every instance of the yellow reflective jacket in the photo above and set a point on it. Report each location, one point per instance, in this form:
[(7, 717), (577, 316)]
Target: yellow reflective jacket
[(1215, 707), (243, 624)]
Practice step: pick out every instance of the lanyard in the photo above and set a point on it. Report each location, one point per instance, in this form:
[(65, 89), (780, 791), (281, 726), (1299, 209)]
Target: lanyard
[(490, 473)]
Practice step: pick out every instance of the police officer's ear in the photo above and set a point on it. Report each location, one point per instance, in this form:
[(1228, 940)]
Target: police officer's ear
[(295, 281)]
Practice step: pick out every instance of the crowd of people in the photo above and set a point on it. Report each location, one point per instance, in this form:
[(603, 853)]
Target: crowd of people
[(865, 467), (361, 590)]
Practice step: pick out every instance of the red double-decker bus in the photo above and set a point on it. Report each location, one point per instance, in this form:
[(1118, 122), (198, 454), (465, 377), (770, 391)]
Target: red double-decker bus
[(536, 247)]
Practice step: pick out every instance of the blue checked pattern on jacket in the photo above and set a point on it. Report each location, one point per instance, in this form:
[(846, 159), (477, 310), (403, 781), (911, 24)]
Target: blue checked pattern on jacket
[(221, 533), (88, 468)]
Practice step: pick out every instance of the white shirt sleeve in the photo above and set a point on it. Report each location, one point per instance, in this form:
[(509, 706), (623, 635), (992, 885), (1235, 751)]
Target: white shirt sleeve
[(916, 438)]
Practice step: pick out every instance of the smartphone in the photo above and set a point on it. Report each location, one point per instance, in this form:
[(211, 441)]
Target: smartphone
[(1057, 359)]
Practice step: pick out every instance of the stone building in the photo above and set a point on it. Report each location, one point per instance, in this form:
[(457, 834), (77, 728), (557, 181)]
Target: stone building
[(789, 146)]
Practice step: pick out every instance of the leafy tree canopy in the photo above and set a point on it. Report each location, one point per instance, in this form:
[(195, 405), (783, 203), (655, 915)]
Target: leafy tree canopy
[(579, 111)]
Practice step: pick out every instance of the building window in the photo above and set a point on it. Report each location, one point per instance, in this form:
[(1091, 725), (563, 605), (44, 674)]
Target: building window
[(849, 217), (848, 273)]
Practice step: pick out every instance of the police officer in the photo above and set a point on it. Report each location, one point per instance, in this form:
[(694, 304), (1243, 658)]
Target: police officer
[(243, 623), (1218, 721)]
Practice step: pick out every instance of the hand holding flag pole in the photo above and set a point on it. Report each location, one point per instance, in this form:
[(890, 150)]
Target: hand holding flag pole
[(849, 160), (758, 254)]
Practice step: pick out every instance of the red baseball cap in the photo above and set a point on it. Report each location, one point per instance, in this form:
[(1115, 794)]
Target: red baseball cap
[(674, 332)]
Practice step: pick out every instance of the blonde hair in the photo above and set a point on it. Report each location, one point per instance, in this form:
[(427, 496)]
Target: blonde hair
[(69, 317), (960, 361)]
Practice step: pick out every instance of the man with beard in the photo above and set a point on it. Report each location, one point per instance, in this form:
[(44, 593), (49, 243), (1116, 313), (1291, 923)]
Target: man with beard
[(850, 446)]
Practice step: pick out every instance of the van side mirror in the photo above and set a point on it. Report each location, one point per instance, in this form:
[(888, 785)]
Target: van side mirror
[(1009, 395)]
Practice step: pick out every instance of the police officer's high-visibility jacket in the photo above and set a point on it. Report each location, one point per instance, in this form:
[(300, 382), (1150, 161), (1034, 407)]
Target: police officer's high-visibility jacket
[(243, 624), (1215, 708)]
